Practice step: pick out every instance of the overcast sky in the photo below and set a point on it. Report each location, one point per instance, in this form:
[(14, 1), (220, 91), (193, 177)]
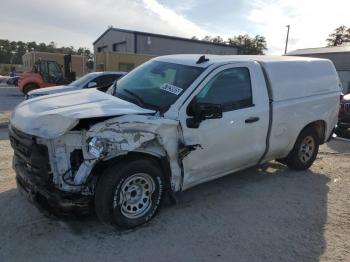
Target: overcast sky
[(80, 22)]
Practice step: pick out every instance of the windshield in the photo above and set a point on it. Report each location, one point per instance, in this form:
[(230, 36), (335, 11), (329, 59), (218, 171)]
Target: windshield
[(82, 80), (155, 84)]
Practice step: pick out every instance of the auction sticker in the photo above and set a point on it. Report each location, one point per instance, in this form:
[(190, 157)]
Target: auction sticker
[(171, 89)]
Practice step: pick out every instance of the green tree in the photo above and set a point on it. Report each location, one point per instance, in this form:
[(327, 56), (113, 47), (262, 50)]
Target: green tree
[(207, 38), (217, 39), (340, 36), (260, 45), (84, 51), (12, 51), (249, 45)]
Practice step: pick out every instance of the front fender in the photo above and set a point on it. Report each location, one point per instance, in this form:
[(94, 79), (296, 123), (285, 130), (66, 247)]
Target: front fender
[(145, 134)]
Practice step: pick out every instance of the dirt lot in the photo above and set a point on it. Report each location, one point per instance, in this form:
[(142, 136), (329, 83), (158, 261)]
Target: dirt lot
[(268, 213)]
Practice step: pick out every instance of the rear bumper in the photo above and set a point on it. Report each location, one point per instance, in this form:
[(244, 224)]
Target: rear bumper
[(48, 197)]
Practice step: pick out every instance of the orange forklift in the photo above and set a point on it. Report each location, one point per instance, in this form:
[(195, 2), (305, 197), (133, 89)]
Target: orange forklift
[(46, 73)]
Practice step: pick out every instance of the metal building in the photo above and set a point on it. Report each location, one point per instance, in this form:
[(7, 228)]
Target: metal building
[(339, 55), (128, 41)]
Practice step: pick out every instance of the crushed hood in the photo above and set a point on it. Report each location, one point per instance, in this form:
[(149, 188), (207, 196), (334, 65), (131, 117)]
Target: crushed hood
[(53, 115)]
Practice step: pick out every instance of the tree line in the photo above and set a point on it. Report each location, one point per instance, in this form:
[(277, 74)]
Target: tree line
[(340, 36), (248, 45), (11, 52)]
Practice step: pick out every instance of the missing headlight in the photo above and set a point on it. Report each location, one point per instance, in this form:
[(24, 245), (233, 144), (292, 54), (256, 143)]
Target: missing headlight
[(97, 147)]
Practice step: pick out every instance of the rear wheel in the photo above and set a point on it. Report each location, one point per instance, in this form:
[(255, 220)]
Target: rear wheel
[(129, 194), (304, 151), (29, 87)]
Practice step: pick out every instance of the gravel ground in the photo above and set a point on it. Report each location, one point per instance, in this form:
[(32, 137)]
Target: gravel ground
[(269, 213)]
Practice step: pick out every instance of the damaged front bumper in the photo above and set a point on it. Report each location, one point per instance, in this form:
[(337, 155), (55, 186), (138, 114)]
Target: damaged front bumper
[(35, 178), (62, 172), (47, 196)]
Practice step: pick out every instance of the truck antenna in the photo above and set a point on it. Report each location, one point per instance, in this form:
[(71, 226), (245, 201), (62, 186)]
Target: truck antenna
[(202, 59)]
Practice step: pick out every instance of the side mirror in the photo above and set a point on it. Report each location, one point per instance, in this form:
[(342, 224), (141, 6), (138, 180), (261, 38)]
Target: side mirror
[(201, 112), (92, 84)]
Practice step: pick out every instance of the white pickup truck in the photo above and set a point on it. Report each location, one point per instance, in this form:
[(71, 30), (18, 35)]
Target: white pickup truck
[(170, 124)]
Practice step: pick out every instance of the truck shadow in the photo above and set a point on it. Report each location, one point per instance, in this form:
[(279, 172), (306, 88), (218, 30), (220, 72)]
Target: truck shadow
[(266, 213)]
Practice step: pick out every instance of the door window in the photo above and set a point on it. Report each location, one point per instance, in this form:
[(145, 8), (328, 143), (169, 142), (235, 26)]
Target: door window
[(105, 80), (43, 70), (230, 88), (55, 72)]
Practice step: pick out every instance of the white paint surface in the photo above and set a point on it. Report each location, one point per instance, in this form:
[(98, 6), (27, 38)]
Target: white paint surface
[(304, 90)]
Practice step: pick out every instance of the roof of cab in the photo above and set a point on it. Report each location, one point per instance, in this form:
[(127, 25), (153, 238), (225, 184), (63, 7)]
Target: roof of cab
[(290, 76), (108, 73), (191, 59)]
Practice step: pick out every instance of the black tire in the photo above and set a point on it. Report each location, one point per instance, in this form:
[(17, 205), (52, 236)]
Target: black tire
[(29, 87), (301, 157), (112, 207)]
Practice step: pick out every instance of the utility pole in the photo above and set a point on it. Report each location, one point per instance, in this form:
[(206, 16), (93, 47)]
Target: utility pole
[(285, 50), (33, 50)]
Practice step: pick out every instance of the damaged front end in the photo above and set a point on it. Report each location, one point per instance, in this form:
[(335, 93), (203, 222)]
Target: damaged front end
[(38, 178), (151, 135), (61, 170)]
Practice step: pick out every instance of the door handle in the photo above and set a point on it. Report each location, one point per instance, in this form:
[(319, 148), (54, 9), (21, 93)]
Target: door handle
[(252, 119)]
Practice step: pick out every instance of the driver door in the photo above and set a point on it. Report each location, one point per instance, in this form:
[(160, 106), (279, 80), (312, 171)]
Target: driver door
[(236, 140)]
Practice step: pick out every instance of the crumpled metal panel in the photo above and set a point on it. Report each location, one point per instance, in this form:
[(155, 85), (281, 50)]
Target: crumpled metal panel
[(133, 132), (51, 116)]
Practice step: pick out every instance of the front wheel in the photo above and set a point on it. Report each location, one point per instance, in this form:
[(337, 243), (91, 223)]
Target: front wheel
[(304, 151), (130, 194)]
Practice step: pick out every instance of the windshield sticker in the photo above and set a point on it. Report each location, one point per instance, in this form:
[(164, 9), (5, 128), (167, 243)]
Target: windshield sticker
[(171, 89)]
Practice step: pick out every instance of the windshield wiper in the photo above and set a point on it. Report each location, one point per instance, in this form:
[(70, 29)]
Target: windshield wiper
[(140, 101)]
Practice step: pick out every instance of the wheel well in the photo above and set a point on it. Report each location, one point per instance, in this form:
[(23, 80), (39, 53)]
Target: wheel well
[(161, 161), (320, 127), (31, 84)]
